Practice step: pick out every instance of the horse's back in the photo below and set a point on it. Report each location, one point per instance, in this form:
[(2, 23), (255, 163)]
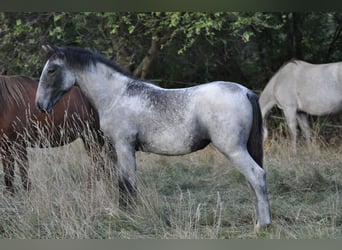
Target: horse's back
[(312, 88), (221, 95), (320, 92)]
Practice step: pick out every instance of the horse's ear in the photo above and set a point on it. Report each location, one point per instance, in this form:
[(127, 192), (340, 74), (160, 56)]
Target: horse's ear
[(52, 51), (48, 49)]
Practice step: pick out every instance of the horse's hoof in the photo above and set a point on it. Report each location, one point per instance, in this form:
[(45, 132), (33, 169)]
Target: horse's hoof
[(262, 228)]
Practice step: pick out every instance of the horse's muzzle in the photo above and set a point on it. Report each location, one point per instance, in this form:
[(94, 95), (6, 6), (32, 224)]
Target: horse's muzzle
[(43, 109)]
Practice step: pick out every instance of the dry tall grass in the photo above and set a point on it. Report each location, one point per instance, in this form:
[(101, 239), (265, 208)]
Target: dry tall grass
[(199, 195)]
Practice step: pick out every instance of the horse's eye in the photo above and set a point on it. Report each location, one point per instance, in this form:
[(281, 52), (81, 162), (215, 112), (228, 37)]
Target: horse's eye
[(51, 70)]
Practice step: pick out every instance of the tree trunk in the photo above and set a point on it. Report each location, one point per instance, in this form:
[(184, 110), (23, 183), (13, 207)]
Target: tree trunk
[(145, 67), (294, 36), (336, 37), (297, 21), (289, 36)]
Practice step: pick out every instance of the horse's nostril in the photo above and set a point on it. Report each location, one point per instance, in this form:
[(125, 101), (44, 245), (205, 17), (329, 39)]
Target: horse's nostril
[(41, 108)]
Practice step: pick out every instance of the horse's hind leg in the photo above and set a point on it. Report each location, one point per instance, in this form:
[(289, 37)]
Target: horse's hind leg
[(305, 128), (290, 116), (255, 175)]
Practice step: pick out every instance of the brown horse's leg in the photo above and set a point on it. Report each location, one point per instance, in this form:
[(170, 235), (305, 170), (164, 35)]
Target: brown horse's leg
[(110, 166), (94, 145), (23, 165), (8, 165), (93, 171)]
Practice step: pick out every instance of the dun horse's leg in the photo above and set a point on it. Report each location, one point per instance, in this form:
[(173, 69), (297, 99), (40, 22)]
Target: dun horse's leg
[(23, 165), (92, 149), (127, 180), (305, 128), (290, 116)]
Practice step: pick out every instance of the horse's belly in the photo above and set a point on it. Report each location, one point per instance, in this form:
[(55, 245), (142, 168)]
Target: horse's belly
[(321, 105), (176, 143)]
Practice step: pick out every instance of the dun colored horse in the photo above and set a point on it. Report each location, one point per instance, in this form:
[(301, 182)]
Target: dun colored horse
[(137, 115), (22, 125), (299, 88)]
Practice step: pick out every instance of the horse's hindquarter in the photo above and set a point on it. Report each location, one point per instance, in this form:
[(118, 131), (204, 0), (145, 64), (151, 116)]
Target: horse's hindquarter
[(225, 111), (319, 88)]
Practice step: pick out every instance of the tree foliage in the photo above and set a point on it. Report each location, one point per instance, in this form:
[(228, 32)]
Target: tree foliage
[(189, 47)]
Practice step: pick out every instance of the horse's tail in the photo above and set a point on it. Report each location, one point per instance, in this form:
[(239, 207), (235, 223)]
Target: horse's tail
[(255, 140)]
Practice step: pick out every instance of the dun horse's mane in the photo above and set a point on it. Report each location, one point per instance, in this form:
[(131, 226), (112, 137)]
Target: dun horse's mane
[(12, 90), (292, 60)]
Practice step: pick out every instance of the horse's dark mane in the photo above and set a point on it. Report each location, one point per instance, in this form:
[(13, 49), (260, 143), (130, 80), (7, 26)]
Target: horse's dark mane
[(80, 58), (12, 90)]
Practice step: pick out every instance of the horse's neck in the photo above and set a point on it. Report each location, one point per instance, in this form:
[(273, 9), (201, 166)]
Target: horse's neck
[(102, 88)]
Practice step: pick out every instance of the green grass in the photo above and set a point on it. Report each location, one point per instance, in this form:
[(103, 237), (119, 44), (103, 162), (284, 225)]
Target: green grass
[(196, 196)]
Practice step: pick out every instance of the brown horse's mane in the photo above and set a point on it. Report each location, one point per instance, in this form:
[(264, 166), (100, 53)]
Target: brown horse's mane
[(13, 90)]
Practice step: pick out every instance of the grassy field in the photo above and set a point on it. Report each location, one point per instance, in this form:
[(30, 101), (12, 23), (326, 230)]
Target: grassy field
[(197, 196)]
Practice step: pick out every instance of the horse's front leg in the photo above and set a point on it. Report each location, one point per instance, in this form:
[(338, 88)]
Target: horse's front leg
[(8, 165), (23, 165), (126, 174)]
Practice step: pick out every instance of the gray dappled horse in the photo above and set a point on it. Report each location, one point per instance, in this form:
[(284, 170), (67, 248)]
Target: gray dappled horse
[(137, 115), (300, 87)]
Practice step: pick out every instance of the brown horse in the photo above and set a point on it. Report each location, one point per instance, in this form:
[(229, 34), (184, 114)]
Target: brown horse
[(22, 125)]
